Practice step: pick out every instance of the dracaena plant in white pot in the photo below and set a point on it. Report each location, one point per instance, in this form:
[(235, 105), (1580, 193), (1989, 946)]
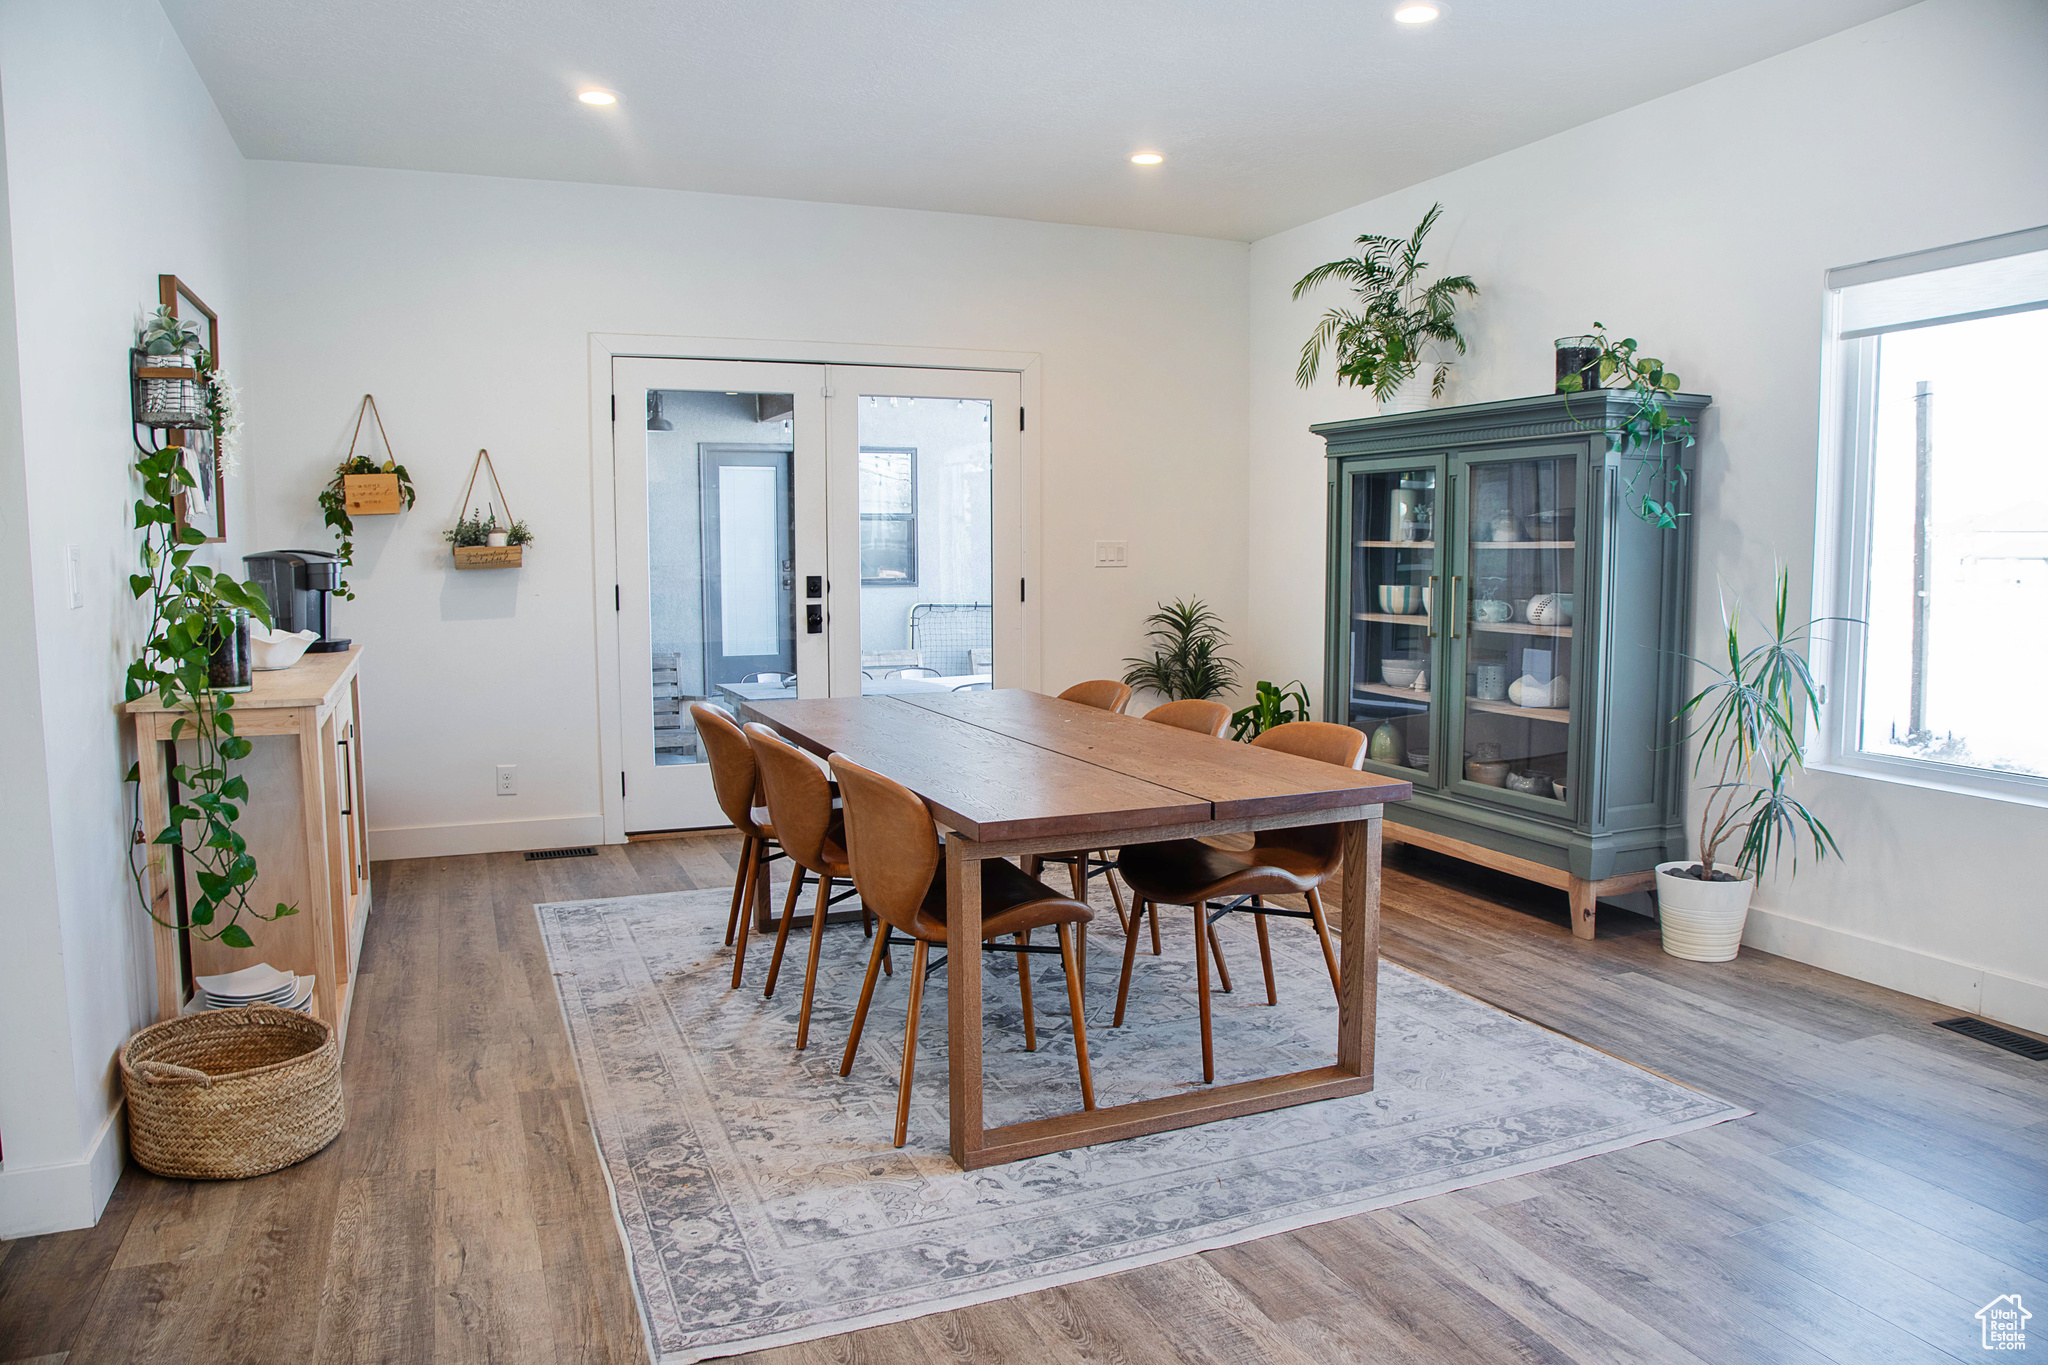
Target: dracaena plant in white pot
[(1746, 723)]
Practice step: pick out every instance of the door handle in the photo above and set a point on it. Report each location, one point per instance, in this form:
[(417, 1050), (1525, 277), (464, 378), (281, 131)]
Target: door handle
[(1432, 603), (348, 786), (1457, 593)]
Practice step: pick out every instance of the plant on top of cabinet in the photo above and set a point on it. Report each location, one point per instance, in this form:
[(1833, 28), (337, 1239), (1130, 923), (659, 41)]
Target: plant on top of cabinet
[(362, 487), (1379, 341), (1746, 722), (1648, 431), (1187, 643), (1270, 706)]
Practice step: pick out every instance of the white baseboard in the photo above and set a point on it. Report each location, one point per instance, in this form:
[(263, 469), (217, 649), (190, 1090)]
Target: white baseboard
[(1972, 990), (64, 1195), (491, 836)]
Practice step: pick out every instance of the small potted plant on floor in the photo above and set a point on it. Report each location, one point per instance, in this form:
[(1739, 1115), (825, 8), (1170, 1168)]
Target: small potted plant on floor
[(1746, 722)]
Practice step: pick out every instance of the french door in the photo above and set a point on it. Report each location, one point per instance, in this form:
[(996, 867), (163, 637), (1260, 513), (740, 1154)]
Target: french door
[(799, 530)]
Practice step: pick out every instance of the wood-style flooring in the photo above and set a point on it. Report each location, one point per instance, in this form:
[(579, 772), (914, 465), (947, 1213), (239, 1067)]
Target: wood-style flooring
[(1890, 1184)]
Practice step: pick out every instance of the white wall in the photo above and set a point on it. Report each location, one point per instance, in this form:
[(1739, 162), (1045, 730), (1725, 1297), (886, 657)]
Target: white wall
[(466, 305), (1702, 223), (118, 169)]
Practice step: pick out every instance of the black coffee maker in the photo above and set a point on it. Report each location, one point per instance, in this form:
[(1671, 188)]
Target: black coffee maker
[(297, 583)]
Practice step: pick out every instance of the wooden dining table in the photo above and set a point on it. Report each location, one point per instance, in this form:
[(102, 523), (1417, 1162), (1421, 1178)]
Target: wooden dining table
[(1012, 773)]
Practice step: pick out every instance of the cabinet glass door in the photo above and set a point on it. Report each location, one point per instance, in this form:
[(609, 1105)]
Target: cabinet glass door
[(1512, 631), (1390, 521)]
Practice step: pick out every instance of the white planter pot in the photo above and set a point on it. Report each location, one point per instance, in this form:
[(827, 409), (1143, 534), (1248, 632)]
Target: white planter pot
[(498, 538), (1413, 395), (1702, 921)]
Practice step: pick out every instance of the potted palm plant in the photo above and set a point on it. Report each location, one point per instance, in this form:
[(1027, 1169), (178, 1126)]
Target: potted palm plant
[(1384, 341), (1746, 723), (1187, 659)]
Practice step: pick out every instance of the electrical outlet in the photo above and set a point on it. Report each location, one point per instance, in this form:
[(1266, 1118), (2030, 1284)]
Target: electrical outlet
[(74, 590), (508, 780), (1112, 554)]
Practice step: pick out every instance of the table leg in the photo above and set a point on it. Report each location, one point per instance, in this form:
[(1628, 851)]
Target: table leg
[(963, 998), (1358, 998), (156, 817)]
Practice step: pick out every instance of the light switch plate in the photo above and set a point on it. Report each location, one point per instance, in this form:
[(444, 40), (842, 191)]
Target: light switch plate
[(1112, 554)]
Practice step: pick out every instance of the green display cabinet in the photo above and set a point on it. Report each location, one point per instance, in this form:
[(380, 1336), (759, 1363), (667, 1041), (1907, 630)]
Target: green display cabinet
[(1512, 637)]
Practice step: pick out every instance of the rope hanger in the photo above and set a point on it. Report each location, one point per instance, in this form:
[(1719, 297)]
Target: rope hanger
[(369, 405), (483, 461)]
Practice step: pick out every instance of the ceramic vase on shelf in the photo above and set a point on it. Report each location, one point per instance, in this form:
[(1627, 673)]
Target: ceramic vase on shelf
[(1702, 921), (1386, 744)]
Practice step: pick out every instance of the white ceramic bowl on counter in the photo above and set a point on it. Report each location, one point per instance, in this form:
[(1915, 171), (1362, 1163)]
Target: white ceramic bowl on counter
[(276, 649)]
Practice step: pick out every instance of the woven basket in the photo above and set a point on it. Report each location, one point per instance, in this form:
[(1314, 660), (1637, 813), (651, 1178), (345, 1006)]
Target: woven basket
[(228, 1094)]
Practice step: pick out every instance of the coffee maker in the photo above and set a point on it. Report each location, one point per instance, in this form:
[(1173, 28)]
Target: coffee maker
[(297, 583)]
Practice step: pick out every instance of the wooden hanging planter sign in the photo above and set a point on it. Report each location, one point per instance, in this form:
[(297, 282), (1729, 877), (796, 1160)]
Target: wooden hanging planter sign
[(504, 556), (379, 493)]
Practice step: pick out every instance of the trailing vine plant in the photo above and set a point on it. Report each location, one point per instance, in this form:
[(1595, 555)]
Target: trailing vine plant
[(192, 609), (334, 497), (1648, 432)]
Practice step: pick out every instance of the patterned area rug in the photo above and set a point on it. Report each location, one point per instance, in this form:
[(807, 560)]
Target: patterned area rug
[(761, 1201)]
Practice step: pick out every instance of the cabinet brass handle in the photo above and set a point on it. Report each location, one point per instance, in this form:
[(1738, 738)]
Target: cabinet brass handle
[(348, 794), (1432, 606), (1456, 593)]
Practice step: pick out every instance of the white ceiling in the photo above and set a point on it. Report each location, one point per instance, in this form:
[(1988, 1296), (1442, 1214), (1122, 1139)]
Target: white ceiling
[(1270, 114)]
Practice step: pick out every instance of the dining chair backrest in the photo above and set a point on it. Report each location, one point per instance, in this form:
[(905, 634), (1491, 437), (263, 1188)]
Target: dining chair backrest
[(890, 841), (1203, 717), (1104, 694), (1326, 743), (734, 777), (1317, 739), (799, 796)]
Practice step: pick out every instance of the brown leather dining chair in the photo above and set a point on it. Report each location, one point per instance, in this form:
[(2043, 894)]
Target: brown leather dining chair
[(895, 852), (811, 832), (1104, 694), (737, 783), (1280, 862)]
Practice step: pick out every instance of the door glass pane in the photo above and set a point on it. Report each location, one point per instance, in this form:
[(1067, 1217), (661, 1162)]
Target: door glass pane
[(1518, 637), (926, 615), (719, 555), (1393, 597)]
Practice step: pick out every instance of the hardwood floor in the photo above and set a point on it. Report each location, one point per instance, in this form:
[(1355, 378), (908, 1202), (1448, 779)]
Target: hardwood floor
[(1890, 1184)]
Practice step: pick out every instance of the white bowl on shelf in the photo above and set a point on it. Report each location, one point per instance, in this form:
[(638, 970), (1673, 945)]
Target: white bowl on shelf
[(1400, 672), (271, 650)]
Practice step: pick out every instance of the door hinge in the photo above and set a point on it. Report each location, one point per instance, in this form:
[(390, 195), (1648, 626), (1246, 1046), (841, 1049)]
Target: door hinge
[(1020, 419), (615, 407), (618, 598), (1020, 590), (622, 786)]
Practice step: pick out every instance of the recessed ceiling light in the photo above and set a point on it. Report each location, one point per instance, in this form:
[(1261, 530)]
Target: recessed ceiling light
[(607, 97), (1415, 14), (1147, 159)]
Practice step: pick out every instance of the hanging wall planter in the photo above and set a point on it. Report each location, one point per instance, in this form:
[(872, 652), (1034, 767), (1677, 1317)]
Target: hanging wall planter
[(480, 540)]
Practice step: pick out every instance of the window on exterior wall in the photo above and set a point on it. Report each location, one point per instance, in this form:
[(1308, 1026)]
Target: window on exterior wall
[(1940, 659), (888, 515)]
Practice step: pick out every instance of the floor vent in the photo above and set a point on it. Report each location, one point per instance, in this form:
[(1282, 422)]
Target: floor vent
[(547, 853), (2033, 1049)]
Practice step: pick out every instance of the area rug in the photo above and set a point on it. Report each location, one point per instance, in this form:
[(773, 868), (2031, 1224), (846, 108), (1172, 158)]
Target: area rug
[(762, 1203)]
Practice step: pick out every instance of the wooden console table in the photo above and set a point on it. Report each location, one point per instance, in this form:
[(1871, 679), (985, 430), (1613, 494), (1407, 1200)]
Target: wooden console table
[(305, 826)]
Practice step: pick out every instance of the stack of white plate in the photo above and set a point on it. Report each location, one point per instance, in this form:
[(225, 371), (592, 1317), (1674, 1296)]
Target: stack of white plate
[(232, 990)]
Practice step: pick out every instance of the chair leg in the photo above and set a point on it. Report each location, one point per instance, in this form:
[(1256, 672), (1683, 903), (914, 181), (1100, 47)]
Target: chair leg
[(739, 887), (1216, 951), (803, 1017), (752, 875), (1116, 896), (910, 1043), (764, 886), (1202, 991), (1155, 928), (1078, 874), (1266, 956), (1024, 989), (782, 934), (1315, 907), (1080, 1025), (1123, 985), (867, 922), (867, 994)]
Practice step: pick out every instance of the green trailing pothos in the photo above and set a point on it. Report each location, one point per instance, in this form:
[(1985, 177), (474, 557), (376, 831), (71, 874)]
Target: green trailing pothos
[(334, 505), (1270, 706), (1649, 432), (192, 610)]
